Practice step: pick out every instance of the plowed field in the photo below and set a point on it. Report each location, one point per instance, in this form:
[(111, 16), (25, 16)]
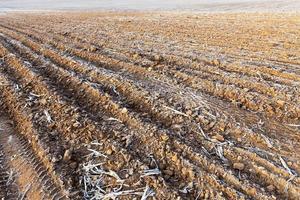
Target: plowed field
[(157, 105)]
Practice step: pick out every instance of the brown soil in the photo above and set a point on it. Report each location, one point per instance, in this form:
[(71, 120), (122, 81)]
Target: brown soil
[(151, 105), (24, 176)]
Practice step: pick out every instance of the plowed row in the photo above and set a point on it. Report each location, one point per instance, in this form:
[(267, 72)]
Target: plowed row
[(107, 106)]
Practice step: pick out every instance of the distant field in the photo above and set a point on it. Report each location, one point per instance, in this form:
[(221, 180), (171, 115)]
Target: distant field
[(196, 5), (149, 105)]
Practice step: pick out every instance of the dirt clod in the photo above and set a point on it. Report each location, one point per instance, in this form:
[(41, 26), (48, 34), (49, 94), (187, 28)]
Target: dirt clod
[(239, 166), (270, 188), (67, 155), (219, 138)]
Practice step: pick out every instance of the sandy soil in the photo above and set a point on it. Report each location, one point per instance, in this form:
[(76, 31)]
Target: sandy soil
[(196, 5)]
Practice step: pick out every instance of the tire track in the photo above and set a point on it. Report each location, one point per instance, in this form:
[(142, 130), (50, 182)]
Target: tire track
[(8, 188), (26, 155)]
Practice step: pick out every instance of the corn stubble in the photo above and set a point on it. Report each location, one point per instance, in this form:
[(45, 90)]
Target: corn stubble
[(149, 106)]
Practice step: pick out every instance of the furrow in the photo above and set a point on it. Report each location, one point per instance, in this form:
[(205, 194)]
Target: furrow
[(65, 117), (91, 94), (268, 72), (92, 73), (121, 115), (178, 113), (67, 62), (213, 73), (249, 100), (279, 170), (263, 69)]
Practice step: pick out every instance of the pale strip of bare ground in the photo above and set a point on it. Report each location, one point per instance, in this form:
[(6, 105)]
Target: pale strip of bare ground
[(189, 5)]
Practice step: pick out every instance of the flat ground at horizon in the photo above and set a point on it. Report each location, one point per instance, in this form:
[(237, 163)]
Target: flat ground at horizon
[(180, 5)]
